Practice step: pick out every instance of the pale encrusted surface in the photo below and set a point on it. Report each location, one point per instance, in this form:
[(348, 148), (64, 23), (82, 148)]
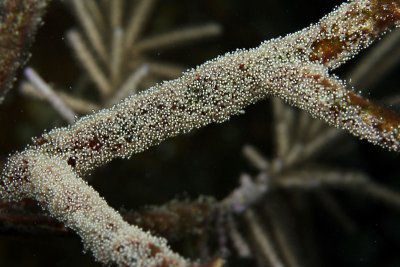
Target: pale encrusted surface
[(68, 198), (291, 68)]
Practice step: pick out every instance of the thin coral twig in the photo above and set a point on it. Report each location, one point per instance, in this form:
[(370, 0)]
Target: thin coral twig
[(78, 105), (48, 93), (89, 62), (263, 239), (87, 20), (176, 38), (137, 20)]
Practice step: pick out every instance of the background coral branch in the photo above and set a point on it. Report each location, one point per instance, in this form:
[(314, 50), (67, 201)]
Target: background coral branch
[(19, 21)]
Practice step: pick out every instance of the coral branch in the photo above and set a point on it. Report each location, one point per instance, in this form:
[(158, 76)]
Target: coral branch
[(19, 20), (48, 93), (294, 68), (54, 184), (341, 34), (175, 220), (212, 93), (176, 38)]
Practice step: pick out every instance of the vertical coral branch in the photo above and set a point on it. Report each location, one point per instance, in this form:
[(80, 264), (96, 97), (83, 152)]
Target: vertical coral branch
[(19, 21)]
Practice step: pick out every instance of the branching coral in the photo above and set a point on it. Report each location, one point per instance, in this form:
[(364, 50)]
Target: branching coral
[(295, 68), (110, 49), (18, 23), (263, 204)]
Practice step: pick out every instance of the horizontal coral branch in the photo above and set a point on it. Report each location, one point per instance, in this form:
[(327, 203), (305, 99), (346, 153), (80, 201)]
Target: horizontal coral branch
[(175, 220), (221, 88)]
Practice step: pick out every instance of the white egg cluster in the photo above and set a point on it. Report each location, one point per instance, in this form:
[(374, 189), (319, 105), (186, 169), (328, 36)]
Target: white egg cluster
[(294, 68)]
